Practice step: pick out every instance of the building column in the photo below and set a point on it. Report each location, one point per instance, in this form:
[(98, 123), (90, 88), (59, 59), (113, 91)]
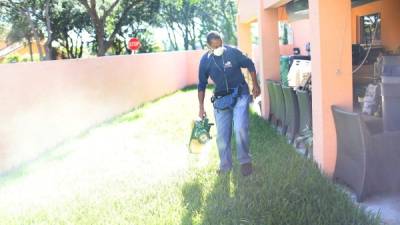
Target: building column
[(269, 51), (390, 24), (331, 73), (244, 37)]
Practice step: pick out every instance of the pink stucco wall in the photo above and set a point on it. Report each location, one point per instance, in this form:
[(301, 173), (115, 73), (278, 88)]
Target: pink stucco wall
[(286, 49), (45, 103), (247, 10), (301, 34)]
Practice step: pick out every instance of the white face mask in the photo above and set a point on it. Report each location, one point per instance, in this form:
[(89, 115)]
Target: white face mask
[(218, 51)]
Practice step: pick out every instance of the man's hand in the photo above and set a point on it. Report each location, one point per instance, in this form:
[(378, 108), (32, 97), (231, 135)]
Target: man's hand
[(202, 113), (256, 90)]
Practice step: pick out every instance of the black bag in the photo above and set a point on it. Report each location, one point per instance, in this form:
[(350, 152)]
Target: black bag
[(227, 101)]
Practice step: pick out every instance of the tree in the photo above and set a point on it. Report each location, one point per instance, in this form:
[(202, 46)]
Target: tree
[(69, 23), (21, 32), (219, 15), (3, 27), (137, 25), (47, 15), (193, 19), (109, 17), (147, 44), (180, 15), (29, 10)]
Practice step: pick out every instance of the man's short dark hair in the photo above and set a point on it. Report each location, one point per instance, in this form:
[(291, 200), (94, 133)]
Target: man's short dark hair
[(213, 35)]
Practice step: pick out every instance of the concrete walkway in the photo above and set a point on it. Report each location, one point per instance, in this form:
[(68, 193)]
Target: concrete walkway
[(387, 205)]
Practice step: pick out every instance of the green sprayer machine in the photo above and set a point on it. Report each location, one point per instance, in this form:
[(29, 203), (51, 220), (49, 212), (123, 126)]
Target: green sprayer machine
[(200, 135)]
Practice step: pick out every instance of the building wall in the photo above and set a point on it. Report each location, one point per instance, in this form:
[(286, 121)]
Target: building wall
[(301, 34), (391, 24), (2, 44), (373, 7), (389, 10), (390, 16), (23, 51), (44, 103), (247, 10), (248, 13)]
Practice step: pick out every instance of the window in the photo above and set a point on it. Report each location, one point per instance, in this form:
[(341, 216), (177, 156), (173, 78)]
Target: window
[(370, 29), (285, 33), (254, 33)]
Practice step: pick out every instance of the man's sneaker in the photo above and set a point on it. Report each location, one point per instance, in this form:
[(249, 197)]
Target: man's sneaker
[(246, 169)]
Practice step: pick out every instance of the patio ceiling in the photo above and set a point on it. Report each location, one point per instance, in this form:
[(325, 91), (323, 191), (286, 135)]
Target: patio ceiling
[(299, 5), (355, 3)]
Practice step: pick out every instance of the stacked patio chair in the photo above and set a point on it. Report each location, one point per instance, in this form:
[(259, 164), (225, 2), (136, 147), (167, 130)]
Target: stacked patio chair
[(292, 113), (305, 118), (280, 108), (272, 102), (367, 157)]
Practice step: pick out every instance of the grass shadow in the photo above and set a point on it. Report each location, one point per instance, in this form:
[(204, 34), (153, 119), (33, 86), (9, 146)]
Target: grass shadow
[(192, 201)]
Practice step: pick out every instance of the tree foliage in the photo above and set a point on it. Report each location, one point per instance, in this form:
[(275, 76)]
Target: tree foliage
[(109, 18), (191, 20), (70, 28)]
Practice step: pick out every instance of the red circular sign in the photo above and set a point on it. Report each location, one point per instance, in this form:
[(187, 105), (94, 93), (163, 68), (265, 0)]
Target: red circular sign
[(134, 44)]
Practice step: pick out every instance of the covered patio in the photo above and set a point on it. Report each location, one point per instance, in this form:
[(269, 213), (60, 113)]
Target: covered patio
[(329, 34)]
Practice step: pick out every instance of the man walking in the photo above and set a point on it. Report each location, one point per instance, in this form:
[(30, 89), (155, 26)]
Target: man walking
[(223, 64)]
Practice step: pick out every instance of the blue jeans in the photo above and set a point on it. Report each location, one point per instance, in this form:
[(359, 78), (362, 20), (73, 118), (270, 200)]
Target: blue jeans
[(238, 117)]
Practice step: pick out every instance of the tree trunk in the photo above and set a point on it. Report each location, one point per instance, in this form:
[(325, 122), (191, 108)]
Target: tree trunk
[(35, 34), (98, 28), (172, 38), (30, 47), (193, 35), (49, 32), (80, 50), (184, 31), (101, 42), (76, 48)]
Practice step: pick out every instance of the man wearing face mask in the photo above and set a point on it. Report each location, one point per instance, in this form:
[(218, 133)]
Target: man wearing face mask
[(223, 64)]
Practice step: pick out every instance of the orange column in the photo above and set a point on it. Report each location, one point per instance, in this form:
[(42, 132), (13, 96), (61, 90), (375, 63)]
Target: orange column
[(391, 24), (269, 55), (244, 37), (331, 73)]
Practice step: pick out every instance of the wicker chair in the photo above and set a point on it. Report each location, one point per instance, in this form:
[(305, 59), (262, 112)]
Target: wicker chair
[(280, 108), (305, 123), (272, 104), (304, 100), (368, 159), (292, 113)]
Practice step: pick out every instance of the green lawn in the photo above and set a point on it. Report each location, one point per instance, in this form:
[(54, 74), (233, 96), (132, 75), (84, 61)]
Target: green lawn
[(135, 169)]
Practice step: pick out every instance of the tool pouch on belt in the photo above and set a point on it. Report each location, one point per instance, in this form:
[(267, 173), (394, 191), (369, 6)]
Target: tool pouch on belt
[(227, 101)]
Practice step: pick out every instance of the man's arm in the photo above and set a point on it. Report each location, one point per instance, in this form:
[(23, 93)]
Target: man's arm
[(203, 81), (246, 62), (256, 88), (202, 112)]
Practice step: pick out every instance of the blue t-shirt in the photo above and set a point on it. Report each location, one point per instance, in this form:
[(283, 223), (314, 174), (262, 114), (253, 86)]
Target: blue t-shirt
[(228, 65)]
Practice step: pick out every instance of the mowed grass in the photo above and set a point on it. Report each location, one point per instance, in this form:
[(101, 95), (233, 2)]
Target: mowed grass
[(135, 169)]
